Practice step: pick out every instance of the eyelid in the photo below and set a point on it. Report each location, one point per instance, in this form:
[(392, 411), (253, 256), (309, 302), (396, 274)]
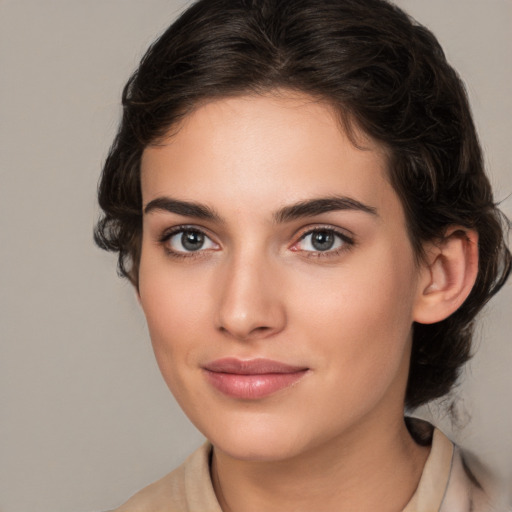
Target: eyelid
[(167, 234), (346, 237), (343, 233)]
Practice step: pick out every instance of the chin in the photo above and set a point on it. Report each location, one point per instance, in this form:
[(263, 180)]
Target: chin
[(257, 438), (257, 448)]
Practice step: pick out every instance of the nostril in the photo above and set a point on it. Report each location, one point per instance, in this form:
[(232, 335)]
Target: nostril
[(247, 334), (261, 329)]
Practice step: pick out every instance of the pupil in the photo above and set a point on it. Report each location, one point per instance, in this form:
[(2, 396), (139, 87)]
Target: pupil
[(322, 240), (192, 240)]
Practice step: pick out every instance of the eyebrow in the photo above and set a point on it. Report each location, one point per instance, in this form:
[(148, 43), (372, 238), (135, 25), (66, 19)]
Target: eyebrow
[(307, 208), (312, 207), (184, 208)]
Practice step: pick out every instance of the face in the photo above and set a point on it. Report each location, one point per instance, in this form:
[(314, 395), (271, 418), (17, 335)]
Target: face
[(276, 276)]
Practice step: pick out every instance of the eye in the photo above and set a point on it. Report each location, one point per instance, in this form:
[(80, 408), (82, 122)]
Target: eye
[(188, 240), (323, 240)]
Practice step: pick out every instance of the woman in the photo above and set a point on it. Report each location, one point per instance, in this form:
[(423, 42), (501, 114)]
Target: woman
[(297, 194)]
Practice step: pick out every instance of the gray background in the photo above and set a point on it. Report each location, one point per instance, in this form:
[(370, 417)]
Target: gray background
[(86, 419)]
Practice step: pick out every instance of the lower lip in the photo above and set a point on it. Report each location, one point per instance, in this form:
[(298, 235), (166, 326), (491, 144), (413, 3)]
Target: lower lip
[(252, 387)]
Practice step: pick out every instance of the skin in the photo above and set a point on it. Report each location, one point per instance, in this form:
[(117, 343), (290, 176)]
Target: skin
[(258, 289)]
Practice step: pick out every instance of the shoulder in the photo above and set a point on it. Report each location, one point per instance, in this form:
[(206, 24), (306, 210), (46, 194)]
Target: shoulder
[(472, 487), (453, 480), (168, 494), (187, 488)]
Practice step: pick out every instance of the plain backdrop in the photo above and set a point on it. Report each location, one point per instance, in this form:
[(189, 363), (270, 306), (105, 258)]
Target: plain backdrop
[(85, 418)]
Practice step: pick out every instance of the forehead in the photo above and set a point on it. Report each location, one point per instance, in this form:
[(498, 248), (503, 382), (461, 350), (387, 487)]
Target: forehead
[(263, 151)]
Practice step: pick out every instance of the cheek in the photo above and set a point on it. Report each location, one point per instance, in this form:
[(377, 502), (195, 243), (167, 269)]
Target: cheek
[(174, 313), (361, 315)]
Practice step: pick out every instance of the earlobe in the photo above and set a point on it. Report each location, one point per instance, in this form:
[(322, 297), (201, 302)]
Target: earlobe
[(447, 275)]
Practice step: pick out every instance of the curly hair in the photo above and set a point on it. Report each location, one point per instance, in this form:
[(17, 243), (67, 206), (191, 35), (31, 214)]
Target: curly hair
[(381, 71)]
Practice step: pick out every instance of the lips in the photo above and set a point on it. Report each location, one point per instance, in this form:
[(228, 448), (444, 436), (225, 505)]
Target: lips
[(251, 379)]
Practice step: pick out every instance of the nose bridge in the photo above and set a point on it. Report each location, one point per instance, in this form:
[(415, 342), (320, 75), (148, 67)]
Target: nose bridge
[(249, 304)]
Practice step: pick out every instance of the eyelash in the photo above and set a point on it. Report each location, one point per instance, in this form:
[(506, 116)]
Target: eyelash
[(168, 234), (347, 242)]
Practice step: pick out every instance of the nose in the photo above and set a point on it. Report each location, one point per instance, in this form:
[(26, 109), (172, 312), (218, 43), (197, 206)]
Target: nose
[(250, 305)]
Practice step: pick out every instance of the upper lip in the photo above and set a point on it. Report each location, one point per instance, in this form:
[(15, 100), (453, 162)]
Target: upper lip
[(258, 366)]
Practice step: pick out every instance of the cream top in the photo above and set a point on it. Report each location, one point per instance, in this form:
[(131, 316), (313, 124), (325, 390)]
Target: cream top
[(445, 486)]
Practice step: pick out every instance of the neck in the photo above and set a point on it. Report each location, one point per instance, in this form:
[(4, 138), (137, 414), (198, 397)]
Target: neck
[(369, 468)]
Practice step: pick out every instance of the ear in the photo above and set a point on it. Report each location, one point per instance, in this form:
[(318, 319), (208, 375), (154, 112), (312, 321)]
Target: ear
[(447, 276)]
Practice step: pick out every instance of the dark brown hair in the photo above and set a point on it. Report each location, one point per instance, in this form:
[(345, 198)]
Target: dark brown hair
[(379, 69)]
